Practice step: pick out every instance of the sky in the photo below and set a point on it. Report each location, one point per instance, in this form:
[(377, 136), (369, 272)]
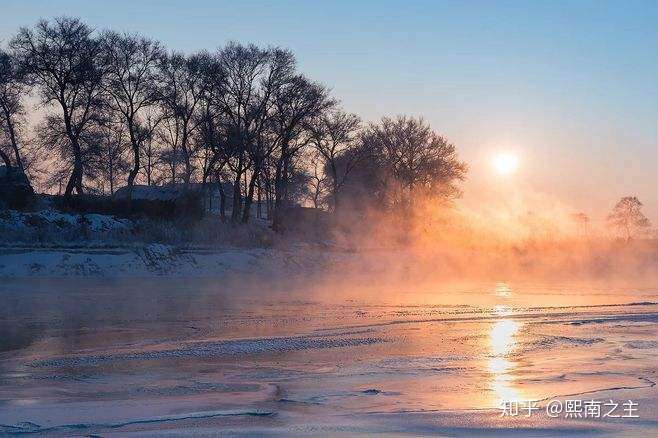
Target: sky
[(571, 87)]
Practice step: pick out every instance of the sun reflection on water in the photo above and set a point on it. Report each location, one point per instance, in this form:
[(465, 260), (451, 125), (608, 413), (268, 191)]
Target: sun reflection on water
[(503, 290), (502, 336), (502, 342)]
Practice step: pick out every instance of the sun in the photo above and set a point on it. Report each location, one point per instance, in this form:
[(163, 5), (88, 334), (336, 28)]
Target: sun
[(505, 163)]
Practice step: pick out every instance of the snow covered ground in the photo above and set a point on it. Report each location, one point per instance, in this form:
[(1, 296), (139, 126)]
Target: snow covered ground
[(149, 260), (48, 243), (48, 228), (23, 222)]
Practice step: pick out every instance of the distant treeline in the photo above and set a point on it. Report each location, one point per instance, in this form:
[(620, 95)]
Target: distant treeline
[(120, 110)]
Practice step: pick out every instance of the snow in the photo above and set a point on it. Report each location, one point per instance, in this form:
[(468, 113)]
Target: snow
[(151, 193), (54, 243), (155, 260), (21, 221), (99, 222)]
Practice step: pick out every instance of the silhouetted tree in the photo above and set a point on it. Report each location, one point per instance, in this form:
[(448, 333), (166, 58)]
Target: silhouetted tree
[(150, 151), (296, 103), (119, 106), (318, 179), (132, 65), (628, 219), (366, 186), (211, 144), (183, 86), (111, 161), (415, 160), (62, 58), (12, 112), (334, 137), (251, 77)]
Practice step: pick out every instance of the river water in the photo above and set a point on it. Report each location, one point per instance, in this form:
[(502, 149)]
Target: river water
[(201, 356)]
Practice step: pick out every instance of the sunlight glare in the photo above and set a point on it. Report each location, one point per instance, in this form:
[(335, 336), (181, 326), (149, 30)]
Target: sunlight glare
[(502, 336), (505, 163), (502, 342)]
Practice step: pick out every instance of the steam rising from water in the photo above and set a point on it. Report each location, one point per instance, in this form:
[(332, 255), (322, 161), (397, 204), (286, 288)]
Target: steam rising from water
[(526, 238)]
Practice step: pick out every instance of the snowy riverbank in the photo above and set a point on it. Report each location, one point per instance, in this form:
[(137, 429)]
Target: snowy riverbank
[(158, 260)]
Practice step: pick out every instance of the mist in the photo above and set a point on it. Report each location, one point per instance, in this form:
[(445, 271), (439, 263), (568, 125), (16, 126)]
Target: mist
[(531, 237)]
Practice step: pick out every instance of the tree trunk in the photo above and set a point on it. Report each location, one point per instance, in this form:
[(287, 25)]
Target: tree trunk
[(250, 196), (5, 158), (209, 197), (75, 181), (285, 180), (222, 200), (259, 213), (334, 175), (78, 184), (281, 176), (148, 166), (268, 200), (133, 172), (12, 139), (280, 192), (237, 201), (110, 174), (278, 175)]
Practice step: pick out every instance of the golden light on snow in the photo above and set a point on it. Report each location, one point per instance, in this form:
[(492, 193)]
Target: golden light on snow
[(505, 163)]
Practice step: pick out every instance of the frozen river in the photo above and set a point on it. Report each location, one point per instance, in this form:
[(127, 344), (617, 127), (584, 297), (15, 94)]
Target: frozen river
[(156, 356)]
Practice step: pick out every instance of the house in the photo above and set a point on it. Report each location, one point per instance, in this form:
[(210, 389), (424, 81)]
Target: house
[(210, 196)]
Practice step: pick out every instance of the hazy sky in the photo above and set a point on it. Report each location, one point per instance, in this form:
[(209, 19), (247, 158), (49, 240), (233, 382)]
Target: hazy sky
[(571, 86)]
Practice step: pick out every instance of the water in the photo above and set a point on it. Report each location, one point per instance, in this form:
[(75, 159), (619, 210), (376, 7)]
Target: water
[(109, 356)]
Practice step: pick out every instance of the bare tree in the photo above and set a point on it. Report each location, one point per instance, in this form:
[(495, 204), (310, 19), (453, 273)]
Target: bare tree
[(11, 110), (183, 87), (111, 161), (628, 219), (334, 135), (120, 106), (318, 179), (416, 160), (251, 77), (62, 58), (131, 62), (150, 150), (211, 144), (296, 104)]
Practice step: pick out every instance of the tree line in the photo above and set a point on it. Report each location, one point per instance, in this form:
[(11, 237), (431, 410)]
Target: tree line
[(120, 110)]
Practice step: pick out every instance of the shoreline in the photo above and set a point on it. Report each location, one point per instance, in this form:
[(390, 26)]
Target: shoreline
[(155, 260)]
